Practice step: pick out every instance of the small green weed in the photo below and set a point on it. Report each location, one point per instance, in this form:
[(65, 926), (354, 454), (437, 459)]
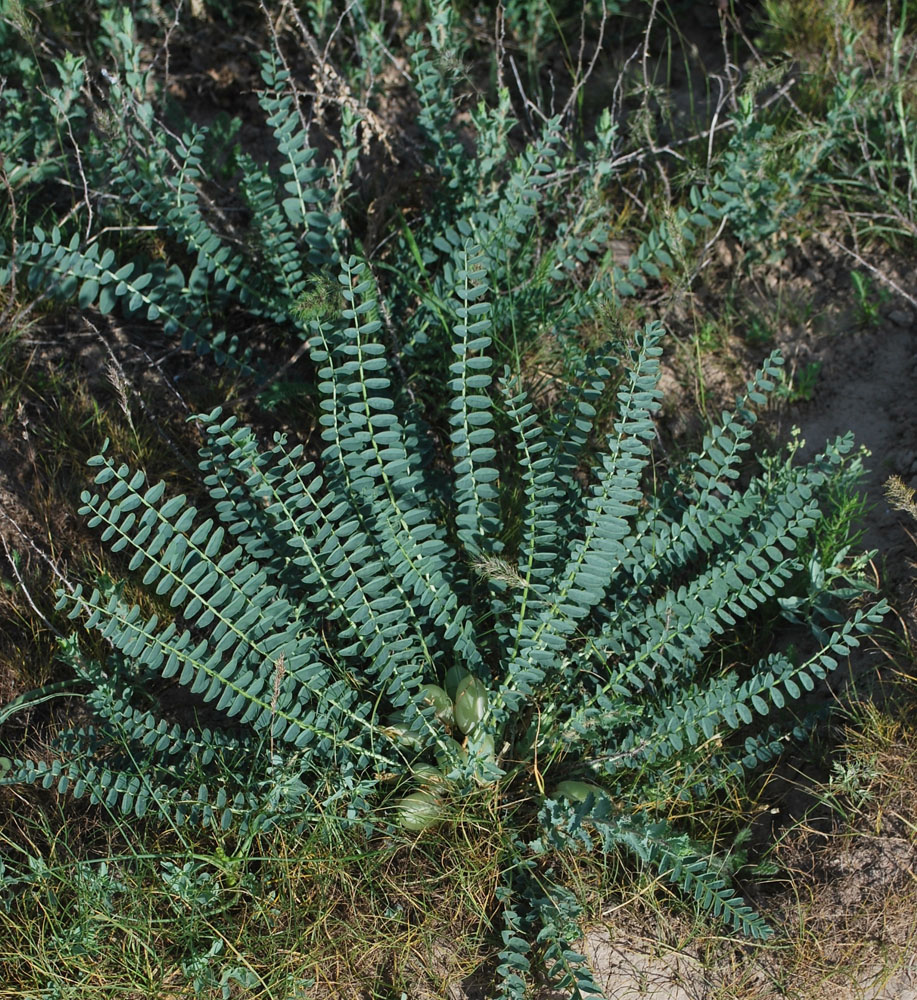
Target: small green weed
[(710, 336), (868, 298), (804, 27), (352, 916), (758, 332), (799, 386)]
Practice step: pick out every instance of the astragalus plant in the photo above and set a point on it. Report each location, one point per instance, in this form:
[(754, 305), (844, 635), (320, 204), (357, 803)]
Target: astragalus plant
[(420, 617)]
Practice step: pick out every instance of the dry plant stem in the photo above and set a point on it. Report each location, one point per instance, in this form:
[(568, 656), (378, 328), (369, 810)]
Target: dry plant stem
[(638, 156), (167, 382), (647, 89), (279, 673), (87, 200), (879, 185), (727, 94), (528, 105), (720, 101), (894, 215), (22, 583), (128, 229), (124, 388), (303, 121), (644, 57), (881, 275), (396, 352), (732, 71), (393, 59), (756, 55), (705, 257), (500, 45), (164, 48), (581, 77), (239, 957), (65, 583), (331, 85), (635, 198), (11, 322), (889, 34), (617, 92)]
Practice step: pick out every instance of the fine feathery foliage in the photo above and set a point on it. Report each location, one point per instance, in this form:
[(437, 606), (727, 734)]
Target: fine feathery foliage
[(379, 637)]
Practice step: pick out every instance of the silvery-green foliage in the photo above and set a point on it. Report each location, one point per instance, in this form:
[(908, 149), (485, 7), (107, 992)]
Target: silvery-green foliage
[(564, 619), (540, 213), (31, 122), (160, 179)]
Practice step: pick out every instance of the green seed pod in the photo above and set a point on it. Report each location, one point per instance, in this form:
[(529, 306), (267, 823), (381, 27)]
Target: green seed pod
[(454, 677), (433, 694), (401, 734), (578, 791), (428, 776), (418, 811), (470, 703)]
